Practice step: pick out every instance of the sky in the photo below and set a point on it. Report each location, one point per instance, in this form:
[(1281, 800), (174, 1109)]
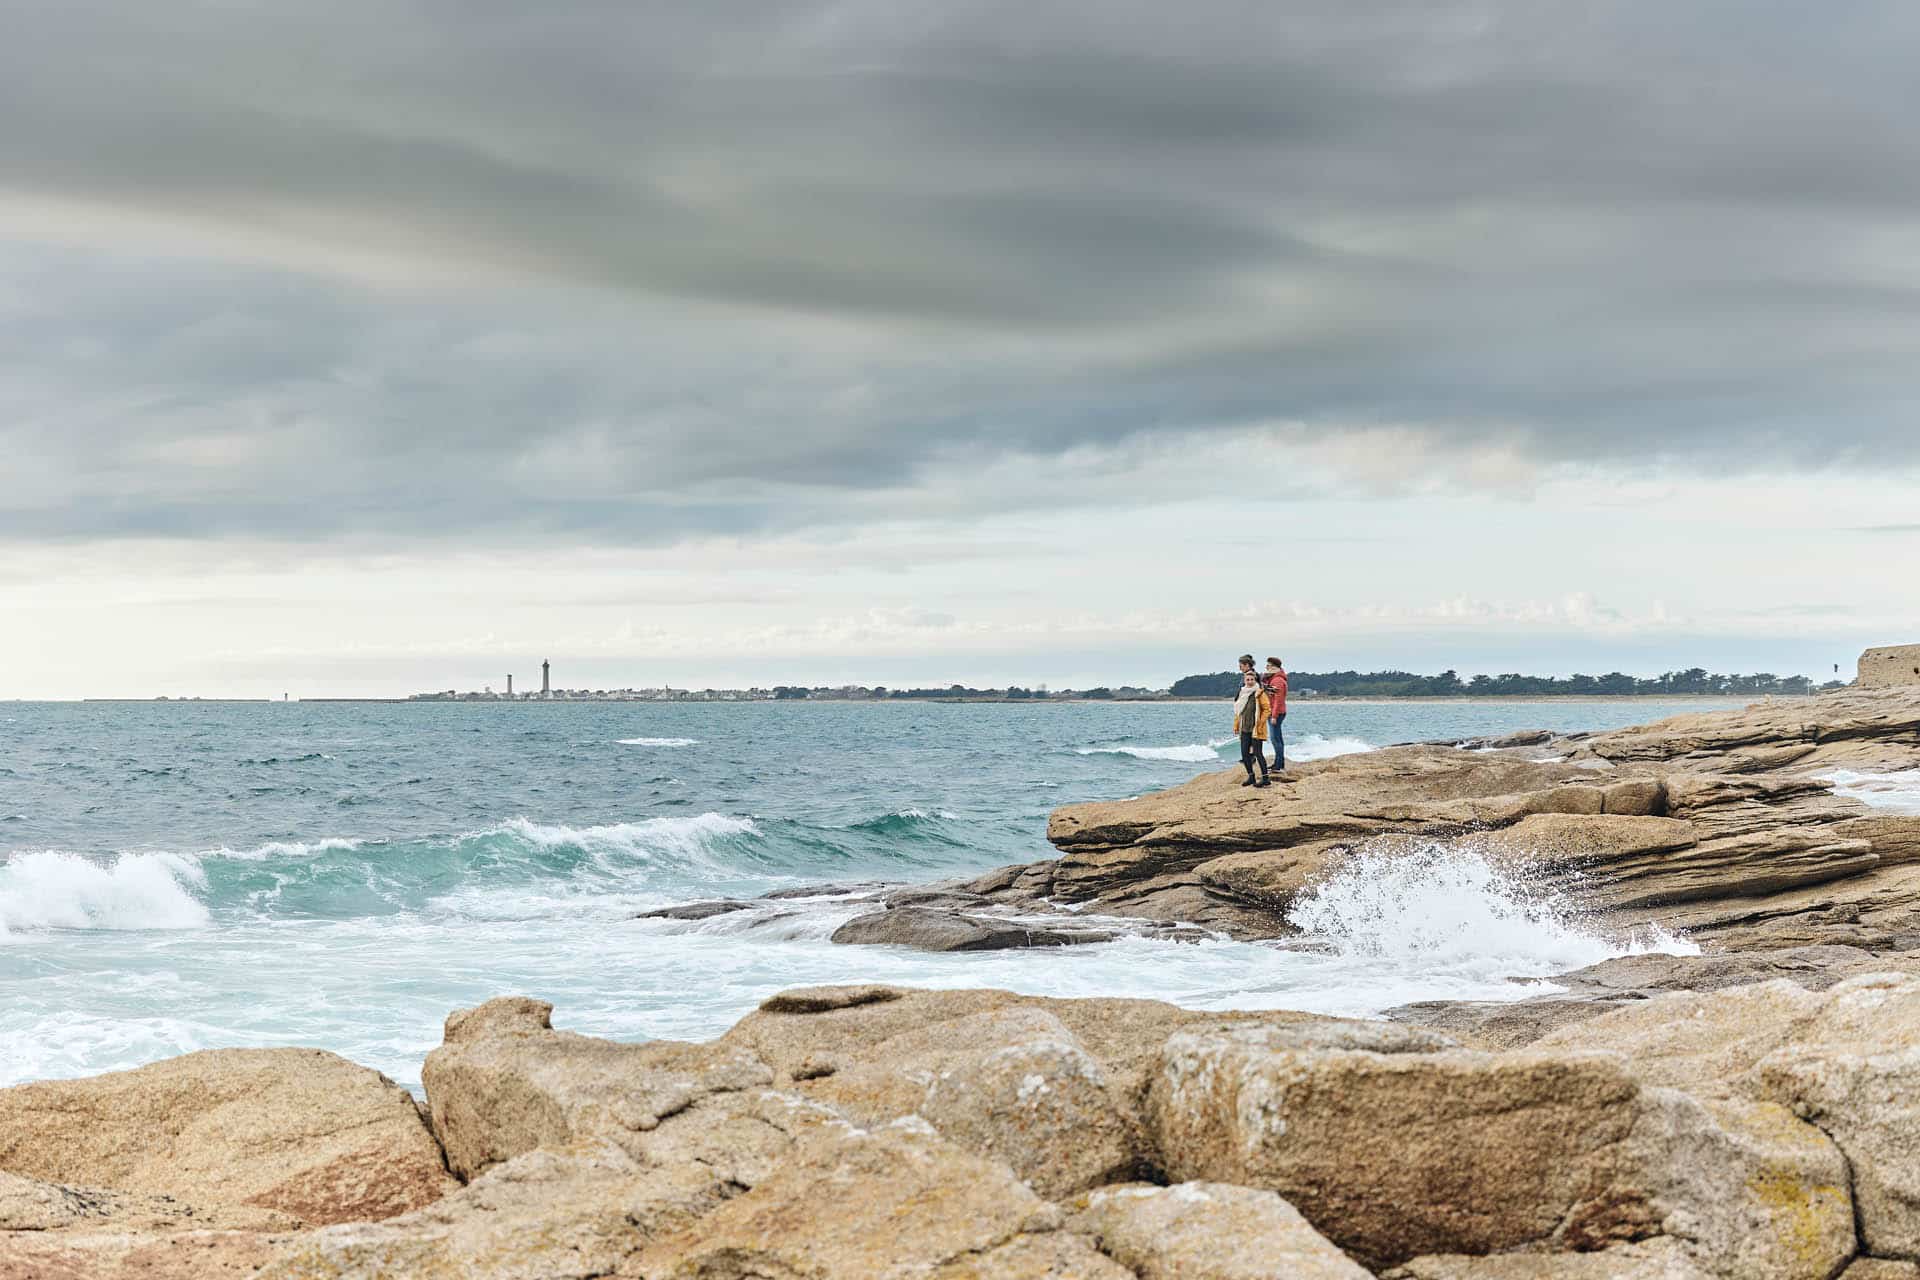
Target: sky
[(376, 346)]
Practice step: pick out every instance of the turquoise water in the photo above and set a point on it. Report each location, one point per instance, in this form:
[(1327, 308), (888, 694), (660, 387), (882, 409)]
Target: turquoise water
[(183, 876)]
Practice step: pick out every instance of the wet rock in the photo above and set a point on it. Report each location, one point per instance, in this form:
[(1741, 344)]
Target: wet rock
[(859, 889), (695, 910), (932, 930), (298, 1131)]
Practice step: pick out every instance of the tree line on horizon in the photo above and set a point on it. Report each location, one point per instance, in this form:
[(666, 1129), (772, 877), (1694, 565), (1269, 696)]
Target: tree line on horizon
[(1448, 684)]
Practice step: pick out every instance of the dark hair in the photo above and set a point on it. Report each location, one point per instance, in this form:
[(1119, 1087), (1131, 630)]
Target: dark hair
[(1275, 662), (1246, 659)]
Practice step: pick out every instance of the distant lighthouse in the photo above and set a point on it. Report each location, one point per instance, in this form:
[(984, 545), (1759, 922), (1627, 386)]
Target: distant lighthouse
[(509, 684), (546, 688)]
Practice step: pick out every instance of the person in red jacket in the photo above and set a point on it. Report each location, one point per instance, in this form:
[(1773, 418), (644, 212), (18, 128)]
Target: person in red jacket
[(1277, 710)]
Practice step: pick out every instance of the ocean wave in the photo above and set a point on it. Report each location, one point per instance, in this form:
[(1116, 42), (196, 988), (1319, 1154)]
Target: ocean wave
[(658, 742), (910, 821), (1898, 791), (691, 837), (1191, 753), (288, 849), (53, 890), (1440, 904)]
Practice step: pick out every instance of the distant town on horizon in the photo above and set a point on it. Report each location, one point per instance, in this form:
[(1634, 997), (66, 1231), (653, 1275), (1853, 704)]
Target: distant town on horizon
[(1693, 682)]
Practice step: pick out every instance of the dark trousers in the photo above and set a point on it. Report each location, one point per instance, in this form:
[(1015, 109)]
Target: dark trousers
[(1250, 753), (1279, 743)]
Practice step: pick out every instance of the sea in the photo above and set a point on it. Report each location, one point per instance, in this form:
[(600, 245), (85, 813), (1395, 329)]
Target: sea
[(179, 876)]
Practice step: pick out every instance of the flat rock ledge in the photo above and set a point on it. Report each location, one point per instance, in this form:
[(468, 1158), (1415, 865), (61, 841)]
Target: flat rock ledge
[(1724, 824), (1758, 1130)]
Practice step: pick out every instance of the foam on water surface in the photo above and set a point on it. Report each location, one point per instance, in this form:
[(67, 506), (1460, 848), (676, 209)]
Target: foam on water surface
[(184, 877), (1898, 791), (53, 890)]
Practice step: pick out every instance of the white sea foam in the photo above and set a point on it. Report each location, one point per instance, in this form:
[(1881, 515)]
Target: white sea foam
[(1194, 753), (1312, 746), (658, 742), (52, 890), (288, 849), (1433, 905), (1898, 791), (689, 838)]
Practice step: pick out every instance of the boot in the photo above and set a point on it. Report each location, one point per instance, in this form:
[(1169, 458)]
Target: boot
[(1248, 780), (1263, 773)]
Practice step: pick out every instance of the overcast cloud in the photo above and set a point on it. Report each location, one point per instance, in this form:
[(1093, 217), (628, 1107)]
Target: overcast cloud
[(386, 274)]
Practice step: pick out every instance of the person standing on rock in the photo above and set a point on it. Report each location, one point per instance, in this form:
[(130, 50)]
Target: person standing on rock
[(1250, 722), (1276, 711)]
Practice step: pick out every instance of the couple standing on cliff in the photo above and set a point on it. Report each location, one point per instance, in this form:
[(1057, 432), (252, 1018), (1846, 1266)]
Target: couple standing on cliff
[(1258, 712)]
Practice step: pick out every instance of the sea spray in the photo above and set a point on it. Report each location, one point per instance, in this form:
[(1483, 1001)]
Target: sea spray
[(1446, 904), (1313, 746), (52, 890)]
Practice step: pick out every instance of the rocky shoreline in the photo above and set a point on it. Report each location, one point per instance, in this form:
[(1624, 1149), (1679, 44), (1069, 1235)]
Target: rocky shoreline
[(1751, 1112)]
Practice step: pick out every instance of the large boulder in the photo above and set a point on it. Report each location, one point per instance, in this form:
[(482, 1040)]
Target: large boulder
[(1011, 1084), (810, 1032), (884, 1204), (504, 1082), (299, 1131), (1847, 1059), (1209, 1231), (1396, 1155), (585, 1210)]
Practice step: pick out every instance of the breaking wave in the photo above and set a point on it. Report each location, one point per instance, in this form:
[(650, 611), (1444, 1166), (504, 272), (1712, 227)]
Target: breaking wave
[(1445, 905), (1194, 753), (511, 869), (52, 890), (658, 742)]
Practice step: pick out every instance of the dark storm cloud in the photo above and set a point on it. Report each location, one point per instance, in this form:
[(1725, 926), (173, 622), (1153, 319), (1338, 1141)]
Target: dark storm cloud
[(688, 264)]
